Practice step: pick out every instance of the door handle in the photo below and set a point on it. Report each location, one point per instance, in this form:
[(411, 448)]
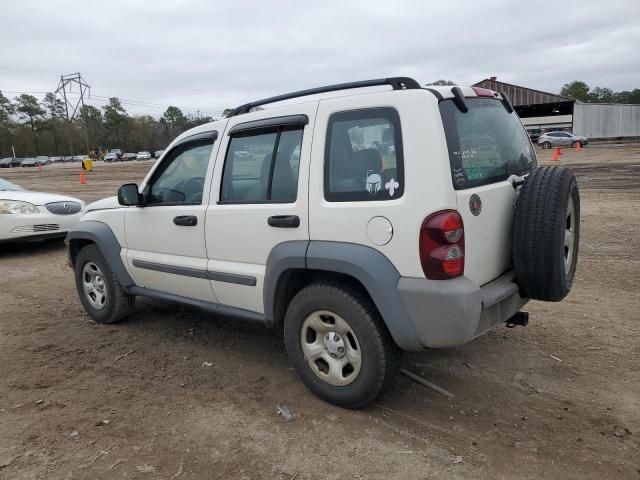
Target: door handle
[(284, 221), (186, 220)]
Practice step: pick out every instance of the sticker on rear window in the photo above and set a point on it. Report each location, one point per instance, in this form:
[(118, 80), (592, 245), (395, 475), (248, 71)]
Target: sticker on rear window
[(392, 186)]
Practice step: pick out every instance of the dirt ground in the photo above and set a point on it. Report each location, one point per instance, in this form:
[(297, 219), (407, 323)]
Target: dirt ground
[(558, 399)]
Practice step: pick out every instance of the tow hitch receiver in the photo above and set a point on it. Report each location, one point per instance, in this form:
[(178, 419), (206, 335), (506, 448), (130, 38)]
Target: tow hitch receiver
[(520, 318)]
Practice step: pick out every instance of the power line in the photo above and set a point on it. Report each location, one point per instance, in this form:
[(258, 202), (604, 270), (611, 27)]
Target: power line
[(138, 103)]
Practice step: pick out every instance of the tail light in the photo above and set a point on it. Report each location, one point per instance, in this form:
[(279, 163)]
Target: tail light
[(442, 245)]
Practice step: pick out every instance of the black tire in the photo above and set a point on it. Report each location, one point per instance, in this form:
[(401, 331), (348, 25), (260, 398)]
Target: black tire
[(546, 145), (544, 269), (118, 303), (380, 355)]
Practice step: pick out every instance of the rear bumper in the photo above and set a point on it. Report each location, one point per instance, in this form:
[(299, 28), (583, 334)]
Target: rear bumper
[(448, 313)]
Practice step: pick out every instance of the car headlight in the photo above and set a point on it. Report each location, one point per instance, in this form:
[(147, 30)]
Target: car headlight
[(15, 206)]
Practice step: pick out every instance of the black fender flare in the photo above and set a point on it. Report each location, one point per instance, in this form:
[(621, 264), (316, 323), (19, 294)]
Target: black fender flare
[(101, 234), (367, 265)]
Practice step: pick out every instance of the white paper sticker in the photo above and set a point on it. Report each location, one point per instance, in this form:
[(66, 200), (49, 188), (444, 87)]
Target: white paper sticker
[(391, 186)]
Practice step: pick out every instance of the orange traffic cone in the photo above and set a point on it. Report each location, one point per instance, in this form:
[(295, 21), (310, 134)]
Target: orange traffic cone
[(578, 146), (83, 178), (556, 154)]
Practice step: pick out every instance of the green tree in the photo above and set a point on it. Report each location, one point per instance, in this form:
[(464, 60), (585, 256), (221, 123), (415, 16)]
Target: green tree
[(441, 83), (29, 109), (174, 121), (55, 110), (115, 120), (93, 121), (53, 106), (577, 90), (6, 110), (601, 95)]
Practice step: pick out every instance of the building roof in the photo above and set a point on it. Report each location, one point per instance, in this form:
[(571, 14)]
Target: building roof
[(522, 95)]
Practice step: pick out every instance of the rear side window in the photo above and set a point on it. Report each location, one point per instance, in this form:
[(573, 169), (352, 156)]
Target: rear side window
[(262, 167), (486, 144), (363, 156)]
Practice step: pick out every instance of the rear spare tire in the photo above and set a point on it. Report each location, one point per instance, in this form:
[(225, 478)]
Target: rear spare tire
[(547, 233)]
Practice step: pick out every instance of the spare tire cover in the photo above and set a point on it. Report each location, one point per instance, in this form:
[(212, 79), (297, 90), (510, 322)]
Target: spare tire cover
[(547, 233)]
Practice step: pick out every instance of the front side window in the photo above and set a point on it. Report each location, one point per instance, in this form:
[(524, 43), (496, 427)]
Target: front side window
[(262, 167), (180, 178), (363, 156), (486, 144)]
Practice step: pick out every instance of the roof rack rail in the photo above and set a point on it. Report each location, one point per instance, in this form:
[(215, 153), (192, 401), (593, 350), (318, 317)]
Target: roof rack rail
[(398, 83)]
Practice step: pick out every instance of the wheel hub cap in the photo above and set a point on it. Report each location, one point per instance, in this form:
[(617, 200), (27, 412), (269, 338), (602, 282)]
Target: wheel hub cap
[(334, 345), (331, 348), (93, 285)]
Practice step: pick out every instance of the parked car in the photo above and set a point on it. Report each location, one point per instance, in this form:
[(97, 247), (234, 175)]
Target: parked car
[(80, 158), (35, 215), (128, 157), (55, 159), (67, 158), (44, 160), (143, 156), (30, 162), (559, 139), (16, 161), (116, 151), (356, 255), (111, 157), (157, 154), (6, 162)]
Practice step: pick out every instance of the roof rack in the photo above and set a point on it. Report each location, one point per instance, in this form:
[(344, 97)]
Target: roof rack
[(398, 83)]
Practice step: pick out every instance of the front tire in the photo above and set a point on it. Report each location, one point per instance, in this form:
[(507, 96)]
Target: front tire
[(546, 145), (100, 293), (339, 345)]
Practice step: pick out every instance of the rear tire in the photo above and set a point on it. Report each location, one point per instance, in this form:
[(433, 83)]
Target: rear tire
[(546, 145), (314, 316), (547, 233), (100, 293)]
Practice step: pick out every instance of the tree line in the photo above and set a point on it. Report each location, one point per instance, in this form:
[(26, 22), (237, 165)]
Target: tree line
[(40, 127), (580, 91)]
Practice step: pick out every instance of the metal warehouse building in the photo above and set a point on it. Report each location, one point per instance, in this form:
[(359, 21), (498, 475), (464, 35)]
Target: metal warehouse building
[(543, 111)]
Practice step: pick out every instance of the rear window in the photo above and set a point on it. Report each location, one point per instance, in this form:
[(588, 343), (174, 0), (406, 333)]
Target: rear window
[(486, 144)]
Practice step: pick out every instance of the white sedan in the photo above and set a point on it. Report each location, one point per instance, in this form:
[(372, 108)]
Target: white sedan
[(35, 215), (143, 156)]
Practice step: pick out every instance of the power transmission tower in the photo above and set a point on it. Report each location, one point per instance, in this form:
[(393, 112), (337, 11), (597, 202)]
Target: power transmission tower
[(74, 105), (65, 87)]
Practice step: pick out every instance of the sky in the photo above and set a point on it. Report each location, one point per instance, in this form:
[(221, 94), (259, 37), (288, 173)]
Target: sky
[(205, 56)]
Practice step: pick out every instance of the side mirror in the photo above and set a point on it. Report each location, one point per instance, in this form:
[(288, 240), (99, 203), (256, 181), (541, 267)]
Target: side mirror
[(128, 195)]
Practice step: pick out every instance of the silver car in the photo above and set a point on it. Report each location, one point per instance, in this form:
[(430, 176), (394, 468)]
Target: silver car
[(559, 139)]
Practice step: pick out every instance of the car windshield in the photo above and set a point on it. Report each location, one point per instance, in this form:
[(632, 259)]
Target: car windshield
[(486, 144), (7, 186)]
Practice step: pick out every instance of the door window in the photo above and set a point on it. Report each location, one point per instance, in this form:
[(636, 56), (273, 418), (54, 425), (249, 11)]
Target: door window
[(180, 179), (262, 167), (363, 156)]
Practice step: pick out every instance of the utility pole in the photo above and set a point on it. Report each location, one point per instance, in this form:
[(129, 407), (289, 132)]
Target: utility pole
[(74, 106)]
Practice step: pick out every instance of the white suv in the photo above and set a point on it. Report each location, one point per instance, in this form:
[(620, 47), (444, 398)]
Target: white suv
[(407, 219)]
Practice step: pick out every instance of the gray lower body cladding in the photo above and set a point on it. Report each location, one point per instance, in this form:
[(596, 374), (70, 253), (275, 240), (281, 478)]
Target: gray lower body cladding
[(448, 313), (419, 313)]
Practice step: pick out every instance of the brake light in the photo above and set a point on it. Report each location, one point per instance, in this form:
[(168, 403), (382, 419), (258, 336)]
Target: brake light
[(442, 245), (483, 92)]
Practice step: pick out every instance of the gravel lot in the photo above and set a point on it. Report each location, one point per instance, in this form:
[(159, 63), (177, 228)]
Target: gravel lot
[(558, 399)]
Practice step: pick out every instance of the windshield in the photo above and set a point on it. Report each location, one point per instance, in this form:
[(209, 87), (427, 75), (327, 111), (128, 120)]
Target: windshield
[(8, 186), (486, 144)]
